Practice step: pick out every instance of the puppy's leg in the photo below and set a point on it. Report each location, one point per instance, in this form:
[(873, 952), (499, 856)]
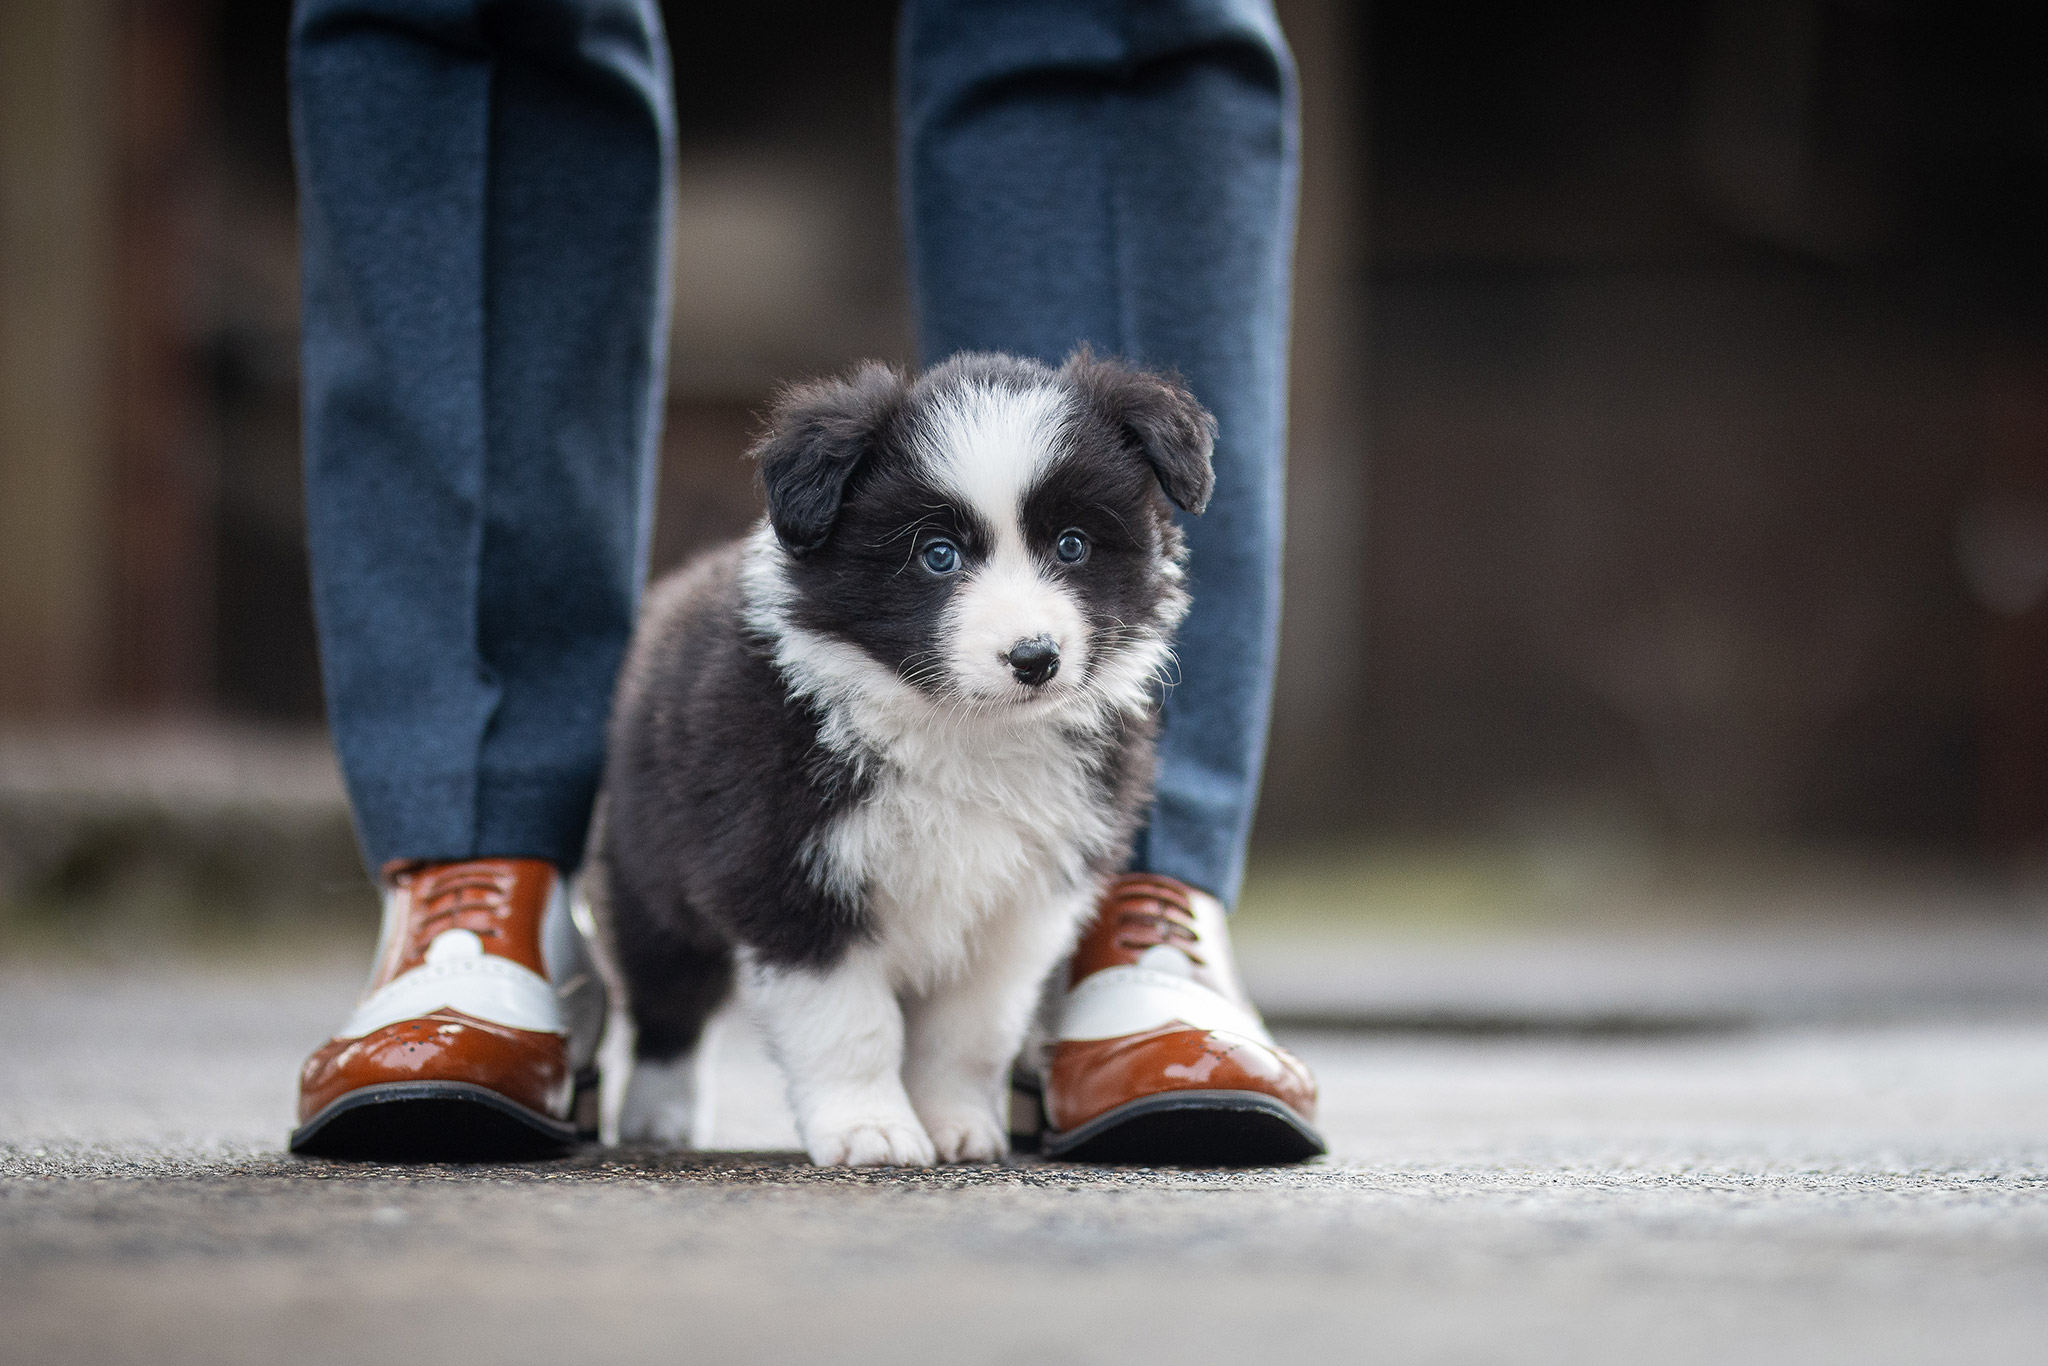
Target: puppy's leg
[(675, 977), (839, 1037), (669, 1102), (964, 1034)]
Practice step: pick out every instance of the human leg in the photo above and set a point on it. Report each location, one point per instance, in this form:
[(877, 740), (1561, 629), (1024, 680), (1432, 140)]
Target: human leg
[(483, 186), (1124, 176), (483, 189)]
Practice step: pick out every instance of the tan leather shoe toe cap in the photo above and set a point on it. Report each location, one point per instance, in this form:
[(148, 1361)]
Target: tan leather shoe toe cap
[(529, 1068), (1087, 1078)]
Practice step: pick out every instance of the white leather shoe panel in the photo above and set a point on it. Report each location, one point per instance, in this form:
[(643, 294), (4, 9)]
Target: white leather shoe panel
[(1133, 999), (580, 990), (459, 975)]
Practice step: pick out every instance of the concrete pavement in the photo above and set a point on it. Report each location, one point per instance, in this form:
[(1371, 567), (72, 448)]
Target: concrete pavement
[(1810, 1192)]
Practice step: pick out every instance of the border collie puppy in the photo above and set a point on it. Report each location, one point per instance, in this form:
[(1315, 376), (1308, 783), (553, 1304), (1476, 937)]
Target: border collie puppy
[(873, 764)]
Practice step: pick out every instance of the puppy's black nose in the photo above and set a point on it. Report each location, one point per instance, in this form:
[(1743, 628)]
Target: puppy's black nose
[(1034, 661)]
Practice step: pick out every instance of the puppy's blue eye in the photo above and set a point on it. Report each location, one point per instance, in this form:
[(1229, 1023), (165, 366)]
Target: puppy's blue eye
[(1072, 546), (942, 557)]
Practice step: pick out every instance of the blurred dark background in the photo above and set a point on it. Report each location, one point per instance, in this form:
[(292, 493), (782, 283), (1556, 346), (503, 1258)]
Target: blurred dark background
[(1670, 453)]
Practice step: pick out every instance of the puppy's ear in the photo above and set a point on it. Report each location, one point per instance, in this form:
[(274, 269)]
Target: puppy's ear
[(1159, 417), (818, 437)]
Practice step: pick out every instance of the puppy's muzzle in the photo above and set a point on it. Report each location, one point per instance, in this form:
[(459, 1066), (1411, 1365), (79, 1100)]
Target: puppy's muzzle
[(1034, 661)]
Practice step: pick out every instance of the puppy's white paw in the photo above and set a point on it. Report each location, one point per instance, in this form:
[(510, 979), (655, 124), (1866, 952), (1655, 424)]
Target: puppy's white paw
[(663, 1126), (965, 1135), (665, 1106), (872, 1143)]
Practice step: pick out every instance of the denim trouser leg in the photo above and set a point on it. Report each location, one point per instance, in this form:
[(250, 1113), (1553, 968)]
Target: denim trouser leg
[(1124, 174), (483, 194)]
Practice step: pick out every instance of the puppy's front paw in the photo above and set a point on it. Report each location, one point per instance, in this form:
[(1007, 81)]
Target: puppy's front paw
[(658, 1127), (969, 1136), (662, 1106), (872, 1143)]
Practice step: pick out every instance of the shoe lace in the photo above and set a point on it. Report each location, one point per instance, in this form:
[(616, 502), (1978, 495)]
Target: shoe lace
[(466, 897), (1148, 917)]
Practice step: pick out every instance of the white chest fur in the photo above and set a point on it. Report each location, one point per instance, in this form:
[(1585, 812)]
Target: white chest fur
[(965, 825)]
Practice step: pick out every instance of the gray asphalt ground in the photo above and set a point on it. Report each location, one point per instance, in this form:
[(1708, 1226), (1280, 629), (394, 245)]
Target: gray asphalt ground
[(1760, 1181)]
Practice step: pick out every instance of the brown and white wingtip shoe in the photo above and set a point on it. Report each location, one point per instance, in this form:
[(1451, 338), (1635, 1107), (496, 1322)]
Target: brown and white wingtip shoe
[(457, 1050), (1158, 1056)]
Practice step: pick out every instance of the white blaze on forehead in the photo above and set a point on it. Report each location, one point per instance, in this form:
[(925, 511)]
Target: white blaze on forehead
[(988, 444)]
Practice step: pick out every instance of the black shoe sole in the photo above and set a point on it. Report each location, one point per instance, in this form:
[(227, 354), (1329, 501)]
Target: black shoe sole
[(1191, 1129), (431, 1121)]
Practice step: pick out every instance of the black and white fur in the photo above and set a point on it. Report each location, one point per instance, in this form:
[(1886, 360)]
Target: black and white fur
[(842, 775)]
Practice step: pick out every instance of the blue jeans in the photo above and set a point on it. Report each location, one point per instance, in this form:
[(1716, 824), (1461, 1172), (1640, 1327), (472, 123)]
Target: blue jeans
[(484, 186)]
